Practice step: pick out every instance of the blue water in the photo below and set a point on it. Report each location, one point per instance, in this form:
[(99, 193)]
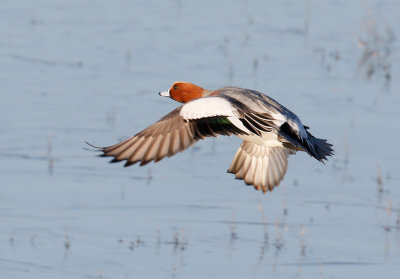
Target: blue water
[(78, 71)]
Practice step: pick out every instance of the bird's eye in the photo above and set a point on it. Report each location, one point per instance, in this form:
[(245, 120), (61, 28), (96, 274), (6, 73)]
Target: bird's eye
[(175, 87)]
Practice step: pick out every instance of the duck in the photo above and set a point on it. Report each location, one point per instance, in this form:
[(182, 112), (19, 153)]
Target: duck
[(270, 133)]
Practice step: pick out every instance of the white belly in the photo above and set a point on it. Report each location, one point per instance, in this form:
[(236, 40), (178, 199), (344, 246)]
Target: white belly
[(267, 139)]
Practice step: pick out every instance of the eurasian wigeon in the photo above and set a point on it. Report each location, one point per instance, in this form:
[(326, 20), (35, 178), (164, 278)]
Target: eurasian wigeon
[(270, 132)]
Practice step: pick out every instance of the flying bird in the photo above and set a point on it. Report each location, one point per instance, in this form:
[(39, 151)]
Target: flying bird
[(270, 132)]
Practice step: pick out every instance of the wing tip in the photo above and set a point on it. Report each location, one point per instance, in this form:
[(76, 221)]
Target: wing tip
[(129, 163), (114, 160), (97, 148), (263, 188)]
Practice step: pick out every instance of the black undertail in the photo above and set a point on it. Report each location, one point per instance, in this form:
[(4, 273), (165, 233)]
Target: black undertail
[(320, 149)]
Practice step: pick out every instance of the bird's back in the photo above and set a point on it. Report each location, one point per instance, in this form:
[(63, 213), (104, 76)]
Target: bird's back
[(260, 103)]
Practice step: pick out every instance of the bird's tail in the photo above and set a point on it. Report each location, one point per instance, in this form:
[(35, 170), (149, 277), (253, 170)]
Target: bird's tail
[(320, 149)]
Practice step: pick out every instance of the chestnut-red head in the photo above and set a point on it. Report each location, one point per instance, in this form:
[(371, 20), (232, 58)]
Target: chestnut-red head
[(184, 92)]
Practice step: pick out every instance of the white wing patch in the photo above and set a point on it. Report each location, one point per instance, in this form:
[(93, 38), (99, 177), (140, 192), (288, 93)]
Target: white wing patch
[(212, 106), (207, 107)]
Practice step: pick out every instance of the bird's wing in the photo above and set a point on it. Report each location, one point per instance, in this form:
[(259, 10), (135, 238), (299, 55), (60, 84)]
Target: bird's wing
[(261, 166), (168, 136), (238, 113), (255, 117)]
